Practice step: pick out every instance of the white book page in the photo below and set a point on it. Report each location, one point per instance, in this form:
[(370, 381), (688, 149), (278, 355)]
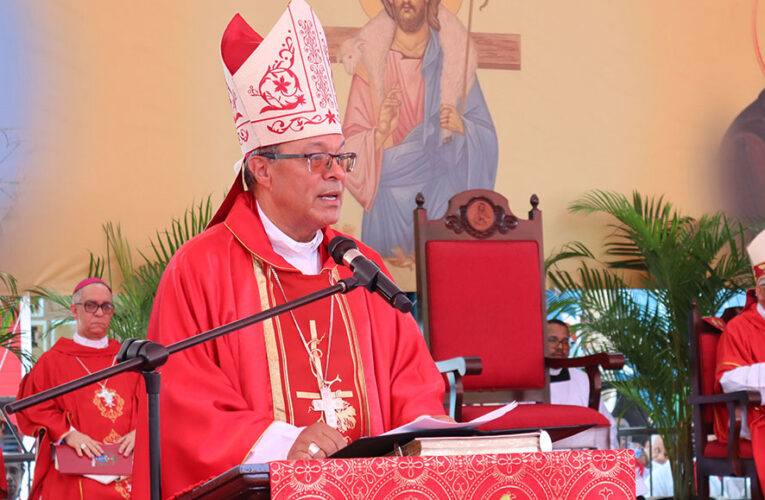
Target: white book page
[(426, 423)]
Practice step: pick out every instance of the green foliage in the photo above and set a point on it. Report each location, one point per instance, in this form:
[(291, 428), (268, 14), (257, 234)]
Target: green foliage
[(676, 259), (9, 304), (9, 315), (134, 298)]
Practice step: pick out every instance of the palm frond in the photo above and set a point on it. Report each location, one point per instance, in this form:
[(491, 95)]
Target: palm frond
[(9, 283), (679, 259), (134, 300)]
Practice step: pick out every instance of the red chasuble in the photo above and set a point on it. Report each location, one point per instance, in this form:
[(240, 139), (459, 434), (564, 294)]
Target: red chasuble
[(218, 398), (741, 344), (103, 415)]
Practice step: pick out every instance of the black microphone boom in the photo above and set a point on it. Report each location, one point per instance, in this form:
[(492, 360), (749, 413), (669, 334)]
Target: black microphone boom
[(345, 252)]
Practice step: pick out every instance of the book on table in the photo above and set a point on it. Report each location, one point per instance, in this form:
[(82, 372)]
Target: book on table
[(475, 445), (429, 427)]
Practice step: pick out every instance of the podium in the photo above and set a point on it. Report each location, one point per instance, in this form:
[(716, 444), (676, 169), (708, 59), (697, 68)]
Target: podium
[(590, 475), (239, 483)]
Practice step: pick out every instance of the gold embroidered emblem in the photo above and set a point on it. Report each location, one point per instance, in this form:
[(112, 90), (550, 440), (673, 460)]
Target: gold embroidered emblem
[(109, 403), (112, 437), (346, 417), (759, 270), (124, 487)]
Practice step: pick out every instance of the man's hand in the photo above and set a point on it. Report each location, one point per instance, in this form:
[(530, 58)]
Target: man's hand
[(444, 418), (387, 121), (82, 443), (127, 443), (450, 119), (317, 441)]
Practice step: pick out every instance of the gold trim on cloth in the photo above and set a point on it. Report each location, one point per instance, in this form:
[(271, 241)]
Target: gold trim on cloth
[(730, 363), (358, 363), (269, 336), (281, 359)]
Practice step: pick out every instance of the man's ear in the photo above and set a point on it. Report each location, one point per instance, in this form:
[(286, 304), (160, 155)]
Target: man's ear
[(73, 308), (260, 168)]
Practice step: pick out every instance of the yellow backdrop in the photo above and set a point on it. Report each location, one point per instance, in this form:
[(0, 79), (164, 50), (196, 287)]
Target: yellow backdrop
[(126, 115)]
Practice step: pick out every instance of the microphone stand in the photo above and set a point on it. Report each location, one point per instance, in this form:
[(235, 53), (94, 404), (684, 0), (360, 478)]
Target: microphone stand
[(146, 356)]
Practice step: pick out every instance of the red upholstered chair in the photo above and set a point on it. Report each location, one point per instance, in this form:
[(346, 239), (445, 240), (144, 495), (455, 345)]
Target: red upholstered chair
[(480, 283), (714, 458)]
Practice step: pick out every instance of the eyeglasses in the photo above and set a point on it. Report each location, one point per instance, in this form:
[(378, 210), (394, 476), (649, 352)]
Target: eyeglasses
[(319, 162), (91, 307), (552, 342)]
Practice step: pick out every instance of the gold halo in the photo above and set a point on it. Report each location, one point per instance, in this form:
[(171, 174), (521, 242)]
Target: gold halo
[(373, 7)]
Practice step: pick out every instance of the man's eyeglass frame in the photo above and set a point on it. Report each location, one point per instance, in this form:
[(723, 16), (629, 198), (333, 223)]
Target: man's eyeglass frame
[(552, 341), (92, 307), (311, 157)]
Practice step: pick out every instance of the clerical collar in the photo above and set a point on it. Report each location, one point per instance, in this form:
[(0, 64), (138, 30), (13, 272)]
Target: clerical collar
[(101, 343), (559, 375), (304, 256)]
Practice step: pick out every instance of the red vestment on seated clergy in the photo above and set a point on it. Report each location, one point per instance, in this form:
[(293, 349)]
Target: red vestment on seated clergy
[(218, 398), (742, 343), (103, 415)]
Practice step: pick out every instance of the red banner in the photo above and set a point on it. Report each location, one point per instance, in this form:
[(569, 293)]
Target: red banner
[(597, 474)]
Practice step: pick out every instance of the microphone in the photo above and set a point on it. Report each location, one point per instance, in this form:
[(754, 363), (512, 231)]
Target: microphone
[(344, 251)]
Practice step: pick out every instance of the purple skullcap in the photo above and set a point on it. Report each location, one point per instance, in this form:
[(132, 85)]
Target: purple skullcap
[(90, 281)]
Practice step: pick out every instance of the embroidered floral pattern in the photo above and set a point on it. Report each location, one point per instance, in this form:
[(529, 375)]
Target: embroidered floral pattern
[(232, 99), (604, 475), (299, 122), (243, 134), (317, 64), (279, 87), (124, 487), (112, 437)]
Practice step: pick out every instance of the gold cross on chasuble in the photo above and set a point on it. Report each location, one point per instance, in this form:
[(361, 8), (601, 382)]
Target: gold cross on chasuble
[(326, 401)]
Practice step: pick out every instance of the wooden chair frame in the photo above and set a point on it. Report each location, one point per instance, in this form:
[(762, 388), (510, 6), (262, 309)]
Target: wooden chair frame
[(461, 223), (733, 464)]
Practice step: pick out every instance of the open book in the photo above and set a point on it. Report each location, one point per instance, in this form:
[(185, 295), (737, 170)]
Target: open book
[(426, 423)]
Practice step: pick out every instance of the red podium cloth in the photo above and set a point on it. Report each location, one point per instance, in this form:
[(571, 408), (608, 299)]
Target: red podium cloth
[(596, 474)]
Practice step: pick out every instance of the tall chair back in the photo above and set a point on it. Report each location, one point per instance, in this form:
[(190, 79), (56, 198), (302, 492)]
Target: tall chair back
[(480, 280)]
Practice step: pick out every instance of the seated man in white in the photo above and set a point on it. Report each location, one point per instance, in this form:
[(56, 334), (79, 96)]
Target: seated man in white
[(659, 476), (572, 387)]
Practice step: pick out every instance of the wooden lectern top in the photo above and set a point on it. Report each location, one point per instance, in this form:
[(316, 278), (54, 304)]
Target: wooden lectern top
[(239, 483)]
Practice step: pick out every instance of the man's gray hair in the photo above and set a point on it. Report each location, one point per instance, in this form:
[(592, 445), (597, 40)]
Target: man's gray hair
[(249, 179), (77, 296)]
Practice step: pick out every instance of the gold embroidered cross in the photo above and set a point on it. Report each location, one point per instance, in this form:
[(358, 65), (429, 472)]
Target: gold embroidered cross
[(326, 401)]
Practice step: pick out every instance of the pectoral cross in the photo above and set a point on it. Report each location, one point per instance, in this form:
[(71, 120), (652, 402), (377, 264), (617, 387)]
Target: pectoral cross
[(107, 396), (326, 401), (328, 405)]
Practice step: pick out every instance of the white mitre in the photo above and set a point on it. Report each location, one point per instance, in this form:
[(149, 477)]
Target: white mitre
[(280, 87), (756, 251)]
